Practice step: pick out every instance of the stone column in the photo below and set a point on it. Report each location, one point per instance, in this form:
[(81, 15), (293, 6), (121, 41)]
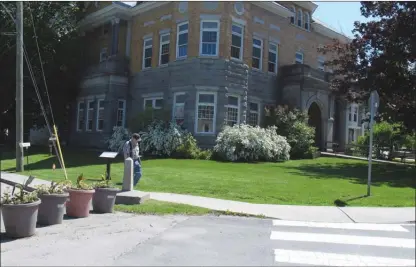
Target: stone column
[(330, 123), (128, 175), (114, 40)]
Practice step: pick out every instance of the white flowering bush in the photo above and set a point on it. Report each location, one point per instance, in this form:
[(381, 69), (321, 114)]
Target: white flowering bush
[(119, 137), (247, 143), (162, 138)]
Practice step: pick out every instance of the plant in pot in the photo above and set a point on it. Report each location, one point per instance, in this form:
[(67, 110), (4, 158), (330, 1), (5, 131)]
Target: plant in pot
[(105, 196), (80, 197), (53, 197), (20, 212)]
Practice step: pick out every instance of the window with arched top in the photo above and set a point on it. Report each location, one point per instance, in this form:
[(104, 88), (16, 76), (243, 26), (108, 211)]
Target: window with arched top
[(307, 21), (292, 18), (300, 15)]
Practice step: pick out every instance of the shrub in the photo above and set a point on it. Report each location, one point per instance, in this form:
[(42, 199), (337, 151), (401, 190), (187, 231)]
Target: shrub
[(247, 143), (189, 149), (292, 124), (118, 139)]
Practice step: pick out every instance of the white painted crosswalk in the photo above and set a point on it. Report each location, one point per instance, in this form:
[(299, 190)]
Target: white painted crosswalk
[(342, 244)]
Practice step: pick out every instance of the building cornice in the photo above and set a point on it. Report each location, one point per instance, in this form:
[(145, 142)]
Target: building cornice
[(274, 7), (308, 5)]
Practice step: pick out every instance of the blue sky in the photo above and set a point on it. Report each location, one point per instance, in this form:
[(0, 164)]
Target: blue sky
[(339, 15)]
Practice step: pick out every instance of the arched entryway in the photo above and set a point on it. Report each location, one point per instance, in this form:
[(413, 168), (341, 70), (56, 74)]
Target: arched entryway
[(315, 120)]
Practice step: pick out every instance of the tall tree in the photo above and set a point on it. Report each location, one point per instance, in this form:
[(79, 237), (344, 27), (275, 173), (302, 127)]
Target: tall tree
[(380, 57), (54, 24)]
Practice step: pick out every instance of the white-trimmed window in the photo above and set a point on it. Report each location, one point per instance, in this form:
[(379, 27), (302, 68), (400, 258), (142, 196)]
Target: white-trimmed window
[(257, 53), (292, 18), (99, 124), (300, 18), (353, 113), (147, 53), (273, 56), (206, 112), (80, 115), (153, 102), (254, 114), (237, 32), (321, 63), (299, 58), (307, 21), (209, 39), (164, 49), (90, 115), (182, 40), (121, 113), (233, 110), (103, 54), (179, 108)]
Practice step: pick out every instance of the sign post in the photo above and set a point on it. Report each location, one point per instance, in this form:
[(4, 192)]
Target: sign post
[(374, 103), (109, 156)]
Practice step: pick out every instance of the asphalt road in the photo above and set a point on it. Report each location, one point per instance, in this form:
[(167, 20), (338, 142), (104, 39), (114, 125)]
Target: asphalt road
[(131, 240)]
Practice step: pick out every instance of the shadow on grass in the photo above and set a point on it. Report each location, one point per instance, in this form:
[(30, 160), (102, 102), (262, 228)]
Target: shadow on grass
[(382, 174), (344, 203)]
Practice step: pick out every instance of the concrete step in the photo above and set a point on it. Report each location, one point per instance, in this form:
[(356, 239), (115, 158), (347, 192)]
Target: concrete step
[(131, 197)]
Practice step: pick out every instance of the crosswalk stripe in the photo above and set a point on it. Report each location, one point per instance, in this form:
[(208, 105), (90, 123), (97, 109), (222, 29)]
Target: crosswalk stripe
[(346, 226), (335, 259), (344, 239)]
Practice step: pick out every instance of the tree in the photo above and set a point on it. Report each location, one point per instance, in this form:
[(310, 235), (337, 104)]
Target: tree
[(380, 57), (61, 52)]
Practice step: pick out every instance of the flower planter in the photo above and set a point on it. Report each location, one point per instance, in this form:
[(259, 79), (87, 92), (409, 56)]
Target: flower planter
[(52, 208), (104, 199), (78, 205), (20, 219)]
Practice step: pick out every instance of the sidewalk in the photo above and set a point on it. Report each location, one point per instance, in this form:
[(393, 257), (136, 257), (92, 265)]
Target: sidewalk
[(283, 212), (329, 154)]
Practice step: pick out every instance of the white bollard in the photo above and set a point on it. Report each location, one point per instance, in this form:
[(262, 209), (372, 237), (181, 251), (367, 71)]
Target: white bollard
[(128, 175)]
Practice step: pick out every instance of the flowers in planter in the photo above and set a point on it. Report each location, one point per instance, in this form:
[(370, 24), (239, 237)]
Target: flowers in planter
[(81, 184), (22, 197), (53, 188), (247, 143)]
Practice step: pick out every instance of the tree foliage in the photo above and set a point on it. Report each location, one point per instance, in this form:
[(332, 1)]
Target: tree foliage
[(380, 57), (61, 53)]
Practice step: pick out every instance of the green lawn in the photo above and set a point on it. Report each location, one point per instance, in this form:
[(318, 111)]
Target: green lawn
[(323, 181)]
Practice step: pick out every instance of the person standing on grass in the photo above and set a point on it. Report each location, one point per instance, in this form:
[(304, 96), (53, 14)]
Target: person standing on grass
[(131, 150)]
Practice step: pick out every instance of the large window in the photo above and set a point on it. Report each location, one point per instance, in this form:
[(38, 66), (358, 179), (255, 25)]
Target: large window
[(90, 115), (80, 115), (179, 108), (307, 21), (233, 110), (205, 117), (153, 103), (273, 55), (253, 116), (209, 38), (300, 18), (147, 53), (299, 58), (121, 113), (257, 53), (100, 115), (237, 41), (164, 49), (182, 40)]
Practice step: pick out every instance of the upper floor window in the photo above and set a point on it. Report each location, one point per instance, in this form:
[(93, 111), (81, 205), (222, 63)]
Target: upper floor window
[(300, 19), (182, 40), (273, 55), (233, 110), (147, 52), (80, 115), (353, 113), (209, 38), (103, 54), (99, 124), (257, 53), (292, 18), (121, 113), (307, 21), (236, 41), (299, 58), (321, 63), (164, 49), (153, 103)]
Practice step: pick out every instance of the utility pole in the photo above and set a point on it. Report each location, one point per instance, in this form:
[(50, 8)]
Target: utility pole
[(19, 87)]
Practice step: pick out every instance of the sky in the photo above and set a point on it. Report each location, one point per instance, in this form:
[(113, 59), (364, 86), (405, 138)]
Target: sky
[(339, 15)]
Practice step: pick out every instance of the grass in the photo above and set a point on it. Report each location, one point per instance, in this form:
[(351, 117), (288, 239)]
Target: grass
[(322, 181)]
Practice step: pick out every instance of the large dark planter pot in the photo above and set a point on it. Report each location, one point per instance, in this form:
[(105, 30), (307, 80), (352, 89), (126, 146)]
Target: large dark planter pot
[(52, 209), (104, 199), (78, 205), (20, 220)]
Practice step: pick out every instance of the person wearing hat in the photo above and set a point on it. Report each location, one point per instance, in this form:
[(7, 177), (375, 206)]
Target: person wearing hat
[(131, 150)]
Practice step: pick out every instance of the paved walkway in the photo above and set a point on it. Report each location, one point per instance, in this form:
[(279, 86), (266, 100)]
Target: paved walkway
[(329, 154), (283, 212)]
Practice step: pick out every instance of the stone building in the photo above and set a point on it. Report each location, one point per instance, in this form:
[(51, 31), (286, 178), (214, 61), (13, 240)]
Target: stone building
[(209, 64)]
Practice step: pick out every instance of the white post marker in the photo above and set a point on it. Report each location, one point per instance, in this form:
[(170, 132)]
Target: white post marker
[(374, 103)]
